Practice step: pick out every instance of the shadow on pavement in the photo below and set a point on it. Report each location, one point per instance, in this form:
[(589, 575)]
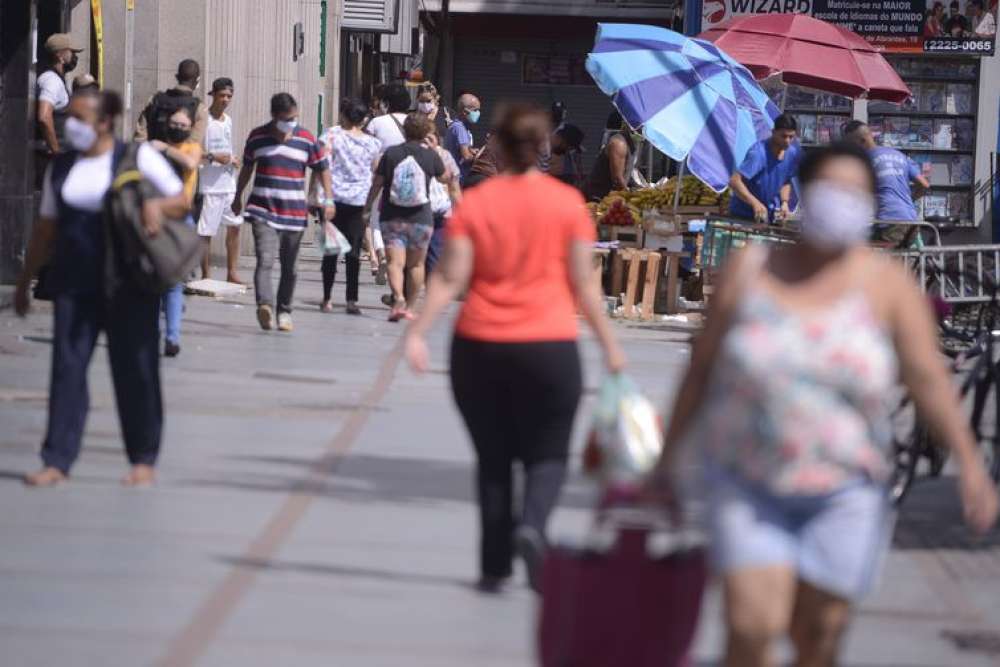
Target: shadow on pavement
[(322, 569), (365, 478), (931, 518)]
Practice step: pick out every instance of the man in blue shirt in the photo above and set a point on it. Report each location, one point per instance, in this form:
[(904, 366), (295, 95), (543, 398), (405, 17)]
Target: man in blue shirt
[(762, 187), (898, 181), (459, 139)]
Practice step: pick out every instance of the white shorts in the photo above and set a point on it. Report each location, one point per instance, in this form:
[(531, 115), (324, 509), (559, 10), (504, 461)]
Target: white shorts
[(217, 209)]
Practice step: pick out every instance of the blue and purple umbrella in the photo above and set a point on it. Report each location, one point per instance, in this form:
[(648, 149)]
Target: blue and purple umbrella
[(692, 101)]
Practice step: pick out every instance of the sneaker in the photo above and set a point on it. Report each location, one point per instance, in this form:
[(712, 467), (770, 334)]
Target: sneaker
[(265, 315), (326, 306), (530, 547), (352, 308), (285, 322), (382, 275), (171, 349)]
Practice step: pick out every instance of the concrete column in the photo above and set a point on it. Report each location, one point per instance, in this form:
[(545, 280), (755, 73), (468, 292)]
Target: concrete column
[(17, 20)]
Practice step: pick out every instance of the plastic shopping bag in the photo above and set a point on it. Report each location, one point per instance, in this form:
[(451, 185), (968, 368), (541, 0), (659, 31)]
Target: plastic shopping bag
[(626, 438), (331, 240)]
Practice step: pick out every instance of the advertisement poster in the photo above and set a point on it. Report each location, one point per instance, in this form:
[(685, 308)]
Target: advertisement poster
[(899, 26)]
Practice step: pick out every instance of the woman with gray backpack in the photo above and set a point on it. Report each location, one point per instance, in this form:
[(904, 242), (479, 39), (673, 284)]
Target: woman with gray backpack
[(94, 287), (403, 178)]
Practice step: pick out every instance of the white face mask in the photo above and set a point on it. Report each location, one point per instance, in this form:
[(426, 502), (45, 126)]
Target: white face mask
[(835, 217), (286, 126), (80, 135), (426, 107)]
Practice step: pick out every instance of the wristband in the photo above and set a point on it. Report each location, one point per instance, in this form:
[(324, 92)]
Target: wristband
[(328, 202)]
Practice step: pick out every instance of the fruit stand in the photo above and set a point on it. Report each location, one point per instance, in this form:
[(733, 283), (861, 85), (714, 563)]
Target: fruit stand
[(635, 225)]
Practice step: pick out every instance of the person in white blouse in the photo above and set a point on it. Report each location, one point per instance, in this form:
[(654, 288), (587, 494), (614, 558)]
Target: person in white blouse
[(69, 236)]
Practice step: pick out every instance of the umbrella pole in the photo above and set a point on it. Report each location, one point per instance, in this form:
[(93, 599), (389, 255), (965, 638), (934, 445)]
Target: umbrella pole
[(677, 188)]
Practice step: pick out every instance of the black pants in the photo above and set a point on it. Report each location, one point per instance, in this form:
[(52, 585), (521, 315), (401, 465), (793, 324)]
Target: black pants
[(131, 322), (351, 224), (518, 401)]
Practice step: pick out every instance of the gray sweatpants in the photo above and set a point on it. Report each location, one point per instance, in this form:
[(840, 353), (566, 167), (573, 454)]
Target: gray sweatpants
[(274, 244)]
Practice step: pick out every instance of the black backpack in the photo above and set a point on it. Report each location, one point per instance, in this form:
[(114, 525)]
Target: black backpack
[(164, 105), (153, 264)]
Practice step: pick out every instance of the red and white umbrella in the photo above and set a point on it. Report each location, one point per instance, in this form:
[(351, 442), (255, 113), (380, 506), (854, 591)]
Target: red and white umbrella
[(809, 52)]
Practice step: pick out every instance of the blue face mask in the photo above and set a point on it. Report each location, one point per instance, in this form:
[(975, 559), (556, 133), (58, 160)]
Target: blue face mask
[(473, 116)]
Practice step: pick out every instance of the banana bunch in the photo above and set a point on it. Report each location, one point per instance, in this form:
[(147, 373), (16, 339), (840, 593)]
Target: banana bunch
[(693, 192), (626, 206)]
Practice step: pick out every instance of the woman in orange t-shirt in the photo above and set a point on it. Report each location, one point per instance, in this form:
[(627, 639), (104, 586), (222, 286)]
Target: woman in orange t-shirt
[(522, 243)]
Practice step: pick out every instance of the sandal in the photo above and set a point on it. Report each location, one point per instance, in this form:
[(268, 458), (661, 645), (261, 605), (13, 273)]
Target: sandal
[(399, 312)]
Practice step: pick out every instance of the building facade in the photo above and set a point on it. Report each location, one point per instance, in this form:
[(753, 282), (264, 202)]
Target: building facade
[(535, 51), (134, 46)]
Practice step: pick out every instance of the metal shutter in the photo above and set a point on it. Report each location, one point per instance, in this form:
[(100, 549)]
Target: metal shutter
[(371, 15), (482, 67)]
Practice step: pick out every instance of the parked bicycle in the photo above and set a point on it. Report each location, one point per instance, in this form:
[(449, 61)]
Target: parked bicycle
[(969, 337)]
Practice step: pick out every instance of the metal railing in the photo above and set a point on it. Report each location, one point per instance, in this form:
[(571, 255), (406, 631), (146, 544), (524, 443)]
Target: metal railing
[(956, 274)]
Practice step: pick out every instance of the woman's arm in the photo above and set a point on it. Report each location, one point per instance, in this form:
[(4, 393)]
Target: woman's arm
[(448, 280), (189, 160), (588, 296), (43, 233), (935, 396), (705, 348), (377, 183), (617, 154)]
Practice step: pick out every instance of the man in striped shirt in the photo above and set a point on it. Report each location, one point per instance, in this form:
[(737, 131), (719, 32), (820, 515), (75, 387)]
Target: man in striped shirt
[(279, 153)]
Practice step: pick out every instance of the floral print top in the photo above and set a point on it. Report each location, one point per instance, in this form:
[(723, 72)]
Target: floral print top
[(352, 158), (800, 402)]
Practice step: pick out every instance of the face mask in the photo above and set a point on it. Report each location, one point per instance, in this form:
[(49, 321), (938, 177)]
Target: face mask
[(473, 116), (176, 135), (80, 135), (835, 217), (426, 107), (71, 65), (286, 126)]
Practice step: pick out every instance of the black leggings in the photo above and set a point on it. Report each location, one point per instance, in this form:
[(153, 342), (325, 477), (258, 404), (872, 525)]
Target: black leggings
[(518, 401), (351, 224)]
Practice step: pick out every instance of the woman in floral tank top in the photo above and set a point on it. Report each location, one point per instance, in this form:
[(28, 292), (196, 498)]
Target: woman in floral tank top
[(786, 396)]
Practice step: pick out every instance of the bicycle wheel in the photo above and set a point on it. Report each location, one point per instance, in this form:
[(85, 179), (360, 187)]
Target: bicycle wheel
[(909, 439)]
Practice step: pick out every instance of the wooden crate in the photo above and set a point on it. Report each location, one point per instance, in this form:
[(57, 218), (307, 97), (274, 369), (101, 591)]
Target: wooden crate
[(648, 279), (628, 236)]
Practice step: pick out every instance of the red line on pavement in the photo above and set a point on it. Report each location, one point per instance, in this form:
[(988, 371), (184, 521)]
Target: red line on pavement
[(195, 638)]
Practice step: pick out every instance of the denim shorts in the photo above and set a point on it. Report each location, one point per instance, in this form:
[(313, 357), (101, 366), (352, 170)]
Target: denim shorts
[(406, 235), (836, 542)]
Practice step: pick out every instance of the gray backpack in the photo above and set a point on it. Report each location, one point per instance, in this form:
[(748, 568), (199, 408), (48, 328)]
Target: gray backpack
[(153, 264)]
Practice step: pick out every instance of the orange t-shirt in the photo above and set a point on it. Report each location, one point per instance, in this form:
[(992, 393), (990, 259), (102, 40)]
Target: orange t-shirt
[(521, 228)]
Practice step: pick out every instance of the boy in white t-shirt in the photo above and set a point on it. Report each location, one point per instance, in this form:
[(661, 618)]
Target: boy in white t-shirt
[(217, 181)]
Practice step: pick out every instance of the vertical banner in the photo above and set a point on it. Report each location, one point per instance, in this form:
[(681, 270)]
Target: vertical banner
[(320, 100), (322, 38), (98, 17)]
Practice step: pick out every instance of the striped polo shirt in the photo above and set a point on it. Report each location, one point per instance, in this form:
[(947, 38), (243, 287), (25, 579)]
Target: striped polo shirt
[(279, 186)]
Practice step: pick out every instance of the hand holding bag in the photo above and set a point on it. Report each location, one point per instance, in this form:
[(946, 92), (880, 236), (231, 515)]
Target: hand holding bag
[(331, 240)]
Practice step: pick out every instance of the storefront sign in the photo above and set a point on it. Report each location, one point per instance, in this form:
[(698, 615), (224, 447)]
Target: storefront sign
[(901, 26), (548, 70)]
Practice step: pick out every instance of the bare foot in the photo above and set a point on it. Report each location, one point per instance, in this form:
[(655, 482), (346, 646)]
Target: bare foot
[(140, 475), (47, 476), (235, 280)]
